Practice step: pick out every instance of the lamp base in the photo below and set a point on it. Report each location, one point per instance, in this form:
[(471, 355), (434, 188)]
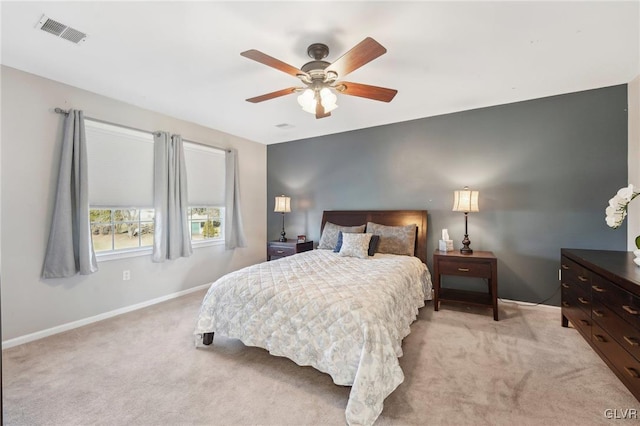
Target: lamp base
[(465, 245), (282, 239)]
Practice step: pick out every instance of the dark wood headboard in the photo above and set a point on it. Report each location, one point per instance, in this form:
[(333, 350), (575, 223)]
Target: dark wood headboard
[(383, 217)]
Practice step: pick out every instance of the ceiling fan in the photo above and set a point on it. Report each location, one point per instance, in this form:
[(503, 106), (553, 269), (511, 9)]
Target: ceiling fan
[(321, 77)]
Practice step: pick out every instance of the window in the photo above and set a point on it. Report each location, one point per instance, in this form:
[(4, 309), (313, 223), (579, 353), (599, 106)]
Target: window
[(121, 190), (205, 223), (205, 183), (120, 187), (121, 229)]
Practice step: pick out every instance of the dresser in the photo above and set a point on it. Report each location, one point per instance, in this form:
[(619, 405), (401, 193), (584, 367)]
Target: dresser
[(278, 249), (601, 299)]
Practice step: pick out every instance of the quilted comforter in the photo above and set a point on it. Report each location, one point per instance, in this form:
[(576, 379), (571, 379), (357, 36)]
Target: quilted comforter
[(344, 316)]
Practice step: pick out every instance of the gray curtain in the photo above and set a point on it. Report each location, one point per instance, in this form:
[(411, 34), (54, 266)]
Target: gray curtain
[(233, 230), (70, 248), (171, 238)]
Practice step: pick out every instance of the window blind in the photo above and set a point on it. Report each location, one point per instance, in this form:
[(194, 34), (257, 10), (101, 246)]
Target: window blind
[(205, 174), (120, 166)]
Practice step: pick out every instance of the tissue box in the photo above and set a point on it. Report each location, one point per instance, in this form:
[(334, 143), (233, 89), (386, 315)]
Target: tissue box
[(445, 245)]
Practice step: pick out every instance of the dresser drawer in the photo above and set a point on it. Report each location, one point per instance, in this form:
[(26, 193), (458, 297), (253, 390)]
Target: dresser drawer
[(624, 333), (469, 268), (576, 296), (628, 368), (574, 274), (621, 302), (580, 319)]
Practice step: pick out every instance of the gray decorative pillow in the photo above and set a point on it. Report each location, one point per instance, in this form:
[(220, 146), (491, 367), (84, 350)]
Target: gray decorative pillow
[(329, 237), (355, 245), (394, 239)]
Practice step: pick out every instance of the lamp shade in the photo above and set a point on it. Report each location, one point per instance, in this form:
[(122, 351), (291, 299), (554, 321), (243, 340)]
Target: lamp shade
[(465, 201), (283, 204)]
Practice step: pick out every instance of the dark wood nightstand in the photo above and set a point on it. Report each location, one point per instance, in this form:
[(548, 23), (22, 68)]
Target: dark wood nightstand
[(479, 264), (278, 249)]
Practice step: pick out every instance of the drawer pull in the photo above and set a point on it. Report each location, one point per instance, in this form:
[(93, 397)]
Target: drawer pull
[(564, 266), (584, 322), (631, 340), (600, 338), (598, 289), (583, 301), (632, 372), (630, 309), (565, 304), (279, 251), (583, 279), (463, 269), (565, 285), (599, 314)]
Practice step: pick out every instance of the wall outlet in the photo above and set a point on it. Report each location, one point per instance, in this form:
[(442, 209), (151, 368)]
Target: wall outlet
[(126, 275)]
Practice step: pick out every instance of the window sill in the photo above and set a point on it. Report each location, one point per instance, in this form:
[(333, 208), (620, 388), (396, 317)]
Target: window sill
[(148, 251), (207, 243)]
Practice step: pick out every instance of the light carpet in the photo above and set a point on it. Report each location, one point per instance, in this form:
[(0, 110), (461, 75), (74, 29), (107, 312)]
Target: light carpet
[(460, 366)]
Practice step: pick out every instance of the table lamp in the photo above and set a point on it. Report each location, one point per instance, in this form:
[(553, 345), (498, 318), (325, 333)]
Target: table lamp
[(283, 205), (465, 201)]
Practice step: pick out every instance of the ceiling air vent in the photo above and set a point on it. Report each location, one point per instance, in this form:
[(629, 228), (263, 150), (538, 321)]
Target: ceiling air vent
[(61, 30), (285, 126)]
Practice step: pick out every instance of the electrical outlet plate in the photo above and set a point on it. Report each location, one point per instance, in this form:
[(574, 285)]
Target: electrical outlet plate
[(126, 275)]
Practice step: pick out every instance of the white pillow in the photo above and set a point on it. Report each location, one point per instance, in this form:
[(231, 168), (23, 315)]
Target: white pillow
[(329, 237), (355, 245)]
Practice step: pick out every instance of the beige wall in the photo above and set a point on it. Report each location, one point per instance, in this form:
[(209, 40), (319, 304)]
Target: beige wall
[(633, 225), (30, 147)]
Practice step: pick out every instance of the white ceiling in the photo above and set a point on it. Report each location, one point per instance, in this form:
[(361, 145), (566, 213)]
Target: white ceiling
[(183, 58)]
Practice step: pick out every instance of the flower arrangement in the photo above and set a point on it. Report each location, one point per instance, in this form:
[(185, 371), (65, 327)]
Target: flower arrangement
[(617, 209)]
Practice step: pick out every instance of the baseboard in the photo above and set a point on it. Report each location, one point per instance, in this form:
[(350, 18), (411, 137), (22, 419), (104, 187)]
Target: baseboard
[(528, 304), (75, 324)]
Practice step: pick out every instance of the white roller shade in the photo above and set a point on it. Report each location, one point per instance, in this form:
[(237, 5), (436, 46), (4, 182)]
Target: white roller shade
[(120, 166), (205, 174)]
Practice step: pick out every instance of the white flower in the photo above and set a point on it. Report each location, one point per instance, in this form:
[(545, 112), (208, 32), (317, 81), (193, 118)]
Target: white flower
[(616, 211), (626, 193)]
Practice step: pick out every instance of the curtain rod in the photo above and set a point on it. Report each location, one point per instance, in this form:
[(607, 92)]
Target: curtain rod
[(63, 112)]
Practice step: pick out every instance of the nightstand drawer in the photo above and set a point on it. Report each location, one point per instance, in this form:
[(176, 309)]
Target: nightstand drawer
[(469, 268), (280, 251)]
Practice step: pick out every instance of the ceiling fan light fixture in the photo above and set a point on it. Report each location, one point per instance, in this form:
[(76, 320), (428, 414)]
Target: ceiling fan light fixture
[(321, 77), (307, 101), (328, 99)]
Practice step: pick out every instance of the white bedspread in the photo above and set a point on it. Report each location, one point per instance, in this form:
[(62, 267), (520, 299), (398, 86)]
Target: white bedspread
[(342, 315)]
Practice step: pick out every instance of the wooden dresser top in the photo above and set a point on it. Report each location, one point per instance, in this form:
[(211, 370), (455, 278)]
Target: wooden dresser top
[(616, 266)]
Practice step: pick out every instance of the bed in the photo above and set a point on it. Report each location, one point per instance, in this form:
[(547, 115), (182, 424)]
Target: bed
[(342, 312)]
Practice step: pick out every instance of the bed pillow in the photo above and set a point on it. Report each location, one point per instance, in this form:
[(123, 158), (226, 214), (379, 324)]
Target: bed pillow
[(329, 237), (394, 239), (355, 245), (373, 244)]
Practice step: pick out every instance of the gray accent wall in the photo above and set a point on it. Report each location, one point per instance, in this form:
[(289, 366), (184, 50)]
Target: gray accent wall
[(545, 169)]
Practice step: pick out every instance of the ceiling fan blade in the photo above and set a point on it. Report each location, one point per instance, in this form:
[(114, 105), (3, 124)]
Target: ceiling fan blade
[(276, 94), (365, 51), (272, 62), (320, 113), (365, 91)]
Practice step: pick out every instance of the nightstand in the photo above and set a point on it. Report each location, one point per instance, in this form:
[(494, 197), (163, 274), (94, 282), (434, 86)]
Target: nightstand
[(278, 249), (479, 264)]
